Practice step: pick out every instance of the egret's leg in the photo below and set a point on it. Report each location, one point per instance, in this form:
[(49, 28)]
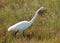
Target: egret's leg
[(15, 33), (23, 33)]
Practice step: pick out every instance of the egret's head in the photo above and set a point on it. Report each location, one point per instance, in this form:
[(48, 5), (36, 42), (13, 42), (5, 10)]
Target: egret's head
[(41, 10)]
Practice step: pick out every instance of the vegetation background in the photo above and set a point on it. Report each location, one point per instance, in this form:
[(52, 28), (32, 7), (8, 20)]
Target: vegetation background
[(45, 29)]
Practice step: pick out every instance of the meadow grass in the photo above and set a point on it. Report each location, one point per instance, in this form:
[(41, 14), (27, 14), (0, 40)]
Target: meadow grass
[(45, 29)]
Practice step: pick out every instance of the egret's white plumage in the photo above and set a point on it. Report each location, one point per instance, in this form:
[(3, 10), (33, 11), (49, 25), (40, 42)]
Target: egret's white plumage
[(19, 26), (25, 24)]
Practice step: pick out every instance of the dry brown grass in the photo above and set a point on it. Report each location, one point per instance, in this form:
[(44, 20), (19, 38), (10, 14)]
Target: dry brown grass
[(45, 29)]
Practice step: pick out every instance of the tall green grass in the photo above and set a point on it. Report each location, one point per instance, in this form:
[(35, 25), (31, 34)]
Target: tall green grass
[(45, 29)]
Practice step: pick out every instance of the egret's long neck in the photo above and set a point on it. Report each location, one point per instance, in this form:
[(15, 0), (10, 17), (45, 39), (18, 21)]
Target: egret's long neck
[(32, 20)]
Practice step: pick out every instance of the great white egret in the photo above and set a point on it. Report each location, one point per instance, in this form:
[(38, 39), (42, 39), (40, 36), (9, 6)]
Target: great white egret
[(21, 26)]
